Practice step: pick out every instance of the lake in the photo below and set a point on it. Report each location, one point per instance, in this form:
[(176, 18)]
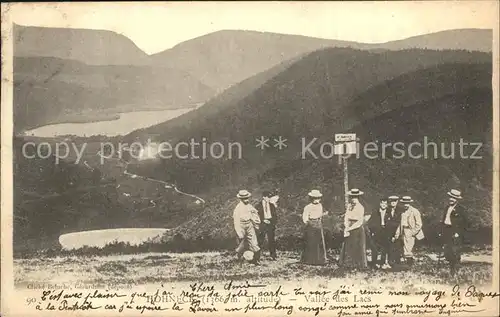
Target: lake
[(99, 238), (128, 122)]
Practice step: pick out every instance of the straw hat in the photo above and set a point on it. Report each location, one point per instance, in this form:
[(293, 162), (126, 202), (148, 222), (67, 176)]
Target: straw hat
[(454, 193), (242, 194), (406, 199), (355, 192), (315, 194), (393, 197)]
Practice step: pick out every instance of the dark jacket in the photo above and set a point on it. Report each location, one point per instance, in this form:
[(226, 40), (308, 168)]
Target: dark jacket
[(458, 220), (260, 209), (393, 221), (375, 222)]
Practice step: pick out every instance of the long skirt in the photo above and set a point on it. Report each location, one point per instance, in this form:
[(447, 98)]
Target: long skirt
[(353, 253), (314, 244)]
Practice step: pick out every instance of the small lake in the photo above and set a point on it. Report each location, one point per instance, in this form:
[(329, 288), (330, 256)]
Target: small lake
[(128, 122), (99, 238)]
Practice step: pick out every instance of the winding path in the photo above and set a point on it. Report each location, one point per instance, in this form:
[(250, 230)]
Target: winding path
[(131, 175)]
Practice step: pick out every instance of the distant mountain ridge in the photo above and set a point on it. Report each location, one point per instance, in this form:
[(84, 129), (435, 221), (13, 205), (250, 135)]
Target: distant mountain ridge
[(447, 98), (480, 40), (50, 90), (93, 47), (213, 57), (220, 53), (91, 61), (226, 57), (105, 47), (318, 85)]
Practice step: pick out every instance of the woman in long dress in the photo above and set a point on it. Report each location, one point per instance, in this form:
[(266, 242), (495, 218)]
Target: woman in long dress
[(353, 253), (314, 246)]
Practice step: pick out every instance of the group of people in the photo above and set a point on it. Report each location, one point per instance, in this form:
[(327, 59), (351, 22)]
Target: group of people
[(390, 231), (254, 224)]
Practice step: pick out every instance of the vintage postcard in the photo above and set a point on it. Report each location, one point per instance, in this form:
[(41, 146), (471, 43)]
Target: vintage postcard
[(250, 158)]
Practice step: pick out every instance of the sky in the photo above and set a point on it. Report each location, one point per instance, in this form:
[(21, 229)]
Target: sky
[(157, 26)]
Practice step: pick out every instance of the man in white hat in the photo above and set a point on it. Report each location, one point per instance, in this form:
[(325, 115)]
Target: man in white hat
[(410, 228), (453, 225), (246, 225)]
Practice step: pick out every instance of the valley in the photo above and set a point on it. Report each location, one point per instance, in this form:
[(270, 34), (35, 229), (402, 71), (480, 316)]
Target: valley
[(391, 92)]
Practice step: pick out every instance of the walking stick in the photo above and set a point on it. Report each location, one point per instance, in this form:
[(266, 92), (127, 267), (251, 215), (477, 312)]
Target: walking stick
[(439, 258), (440, 253), (323, 237)]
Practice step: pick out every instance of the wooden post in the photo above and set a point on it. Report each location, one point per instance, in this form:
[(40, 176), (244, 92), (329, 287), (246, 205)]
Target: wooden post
[(346, 184)]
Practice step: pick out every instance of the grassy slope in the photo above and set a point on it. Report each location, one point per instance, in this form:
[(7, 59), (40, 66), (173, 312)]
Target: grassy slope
[(156, 268), (306, 100), (459, 112)]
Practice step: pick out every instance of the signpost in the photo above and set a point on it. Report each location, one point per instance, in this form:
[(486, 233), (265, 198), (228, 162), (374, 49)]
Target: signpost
[(345, 144)]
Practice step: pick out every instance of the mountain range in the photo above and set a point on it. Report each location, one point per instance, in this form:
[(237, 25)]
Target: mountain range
[(53, 90), (93, 64), (390, 96), (213, 57), (92, 47), (383, 95)]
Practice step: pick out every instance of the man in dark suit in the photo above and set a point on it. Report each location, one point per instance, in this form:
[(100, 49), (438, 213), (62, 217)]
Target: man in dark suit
[(453, 226), (268, 218), (380, 236), (392, 223)]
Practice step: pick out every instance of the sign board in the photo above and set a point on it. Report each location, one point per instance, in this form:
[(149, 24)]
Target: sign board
[(345, 144), (345, 137)]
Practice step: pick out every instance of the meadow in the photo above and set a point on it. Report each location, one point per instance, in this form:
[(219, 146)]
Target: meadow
[(164, 267)]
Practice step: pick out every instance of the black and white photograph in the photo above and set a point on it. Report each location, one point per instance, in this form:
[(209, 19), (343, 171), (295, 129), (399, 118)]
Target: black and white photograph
[(266, 158)]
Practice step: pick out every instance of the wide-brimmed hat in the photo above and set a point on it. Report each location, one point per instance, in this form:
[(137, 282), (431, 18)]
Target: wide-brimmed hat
[(455, 193), (315, 194), (355, 192), (406, 199), (242, 194), (393, 197)]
